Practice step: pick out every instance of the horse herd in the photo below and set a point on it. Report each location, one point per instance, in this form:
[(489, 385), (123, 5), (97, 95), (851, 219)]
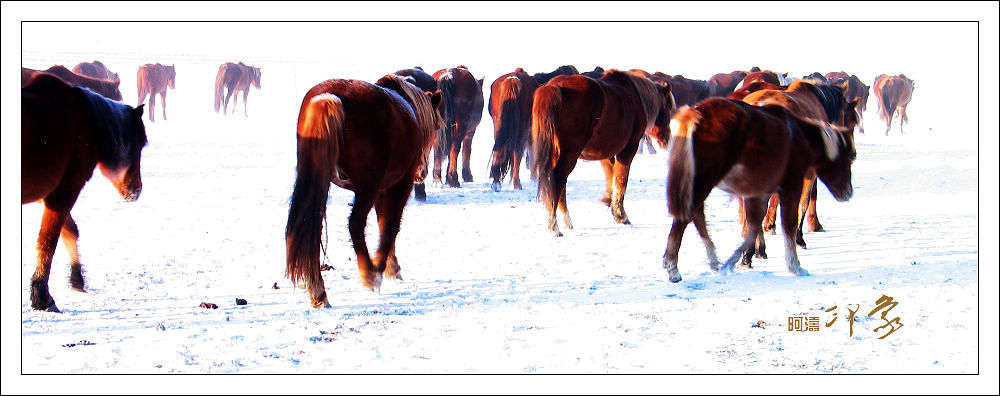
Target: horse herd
[(758, 135)]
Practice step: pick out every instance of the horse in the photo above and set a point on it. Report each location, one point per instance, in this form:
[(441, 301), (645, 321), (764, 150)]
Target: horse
[(856, 89), (108, 89), (893, 94), (564, 70), (462, 109), (755, 86), (603, 119), (813, 100), (726, 83), (819, 77), (233, 78), (750, 152), (596, 73), (367, 138), (763, 75), (511, 97), (95, 69), (153, 79), (65, 133), (420, 78)]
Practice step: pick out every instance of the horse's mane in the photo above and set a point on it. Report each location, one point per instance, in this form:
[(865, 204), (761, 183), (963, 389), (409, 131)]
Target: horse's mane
[(831, 97), (649, 95), (427, 121), (116, 141)]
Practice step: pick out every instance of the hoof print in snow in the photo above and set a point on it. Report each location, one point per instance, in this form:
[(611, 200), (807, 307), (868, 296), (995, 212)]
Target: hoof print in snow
[(207, 305), (161, 327), (83, 342), (759, 324), (240, 301), (325, 267)]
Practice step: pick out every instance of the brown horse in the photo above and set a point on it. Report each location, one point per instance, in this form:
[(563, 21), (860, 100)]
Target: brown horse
[(153, 79), (765, 76), (95, 69), (812, 100), (66, 132), (511, 97), (726, 83), (462, 109), (893, 94), (750, 152), (108, 89), (755, 86), (564, 70), (233, 78), (368, 138), (577, 117), (856, 89), (417, 76)]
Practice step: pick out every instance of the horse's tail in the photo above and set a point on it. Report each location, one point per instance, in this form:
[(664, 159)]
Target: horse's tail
[(220, 78), (680, 171), (319, 135), (888, 105), (544, 140), (508, 133), (447, 109)]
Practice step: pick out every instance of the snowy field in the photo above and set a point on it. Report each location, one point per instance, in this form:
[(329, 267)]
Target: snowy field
[(487, 290)]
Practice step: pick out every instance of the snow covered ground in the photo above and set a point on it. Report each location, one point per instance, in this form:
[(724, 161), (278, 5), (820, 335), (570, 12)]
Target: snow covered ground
[(487, 289)]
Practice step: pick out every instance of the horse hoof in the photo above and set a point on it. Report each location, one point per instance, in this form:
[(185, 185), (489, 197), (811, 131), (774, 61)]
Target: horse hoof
[(321, 302), (674, 275), (420, 192), (802, 272), (496, 186), (558, 234)]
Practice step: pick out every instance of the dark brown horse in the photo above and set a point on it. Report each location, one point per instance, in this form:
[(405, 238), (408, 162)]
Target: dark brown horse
[(233, 78), (577, 117), (417, 76), (856, 89), (511, 97), (564, 70), (726, 83), (66, 132), (368, 138), (596, 73), (893, 94), (461, 109), (808, 99), (108, 89), (95, 69), (750, 152), (153, 79)]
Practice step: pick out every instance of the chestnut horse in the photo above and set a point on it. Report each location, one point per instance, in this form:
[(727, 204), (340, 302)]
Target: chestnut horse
[(95, 69), (153, 79), (893, 94), (511, 96), (856, 89), (368, 138), (603, 119), (812, 100), (750, 152), (234, 78), (461, 109), (106, 88), (65, 133), (755, 86), (726, 83)]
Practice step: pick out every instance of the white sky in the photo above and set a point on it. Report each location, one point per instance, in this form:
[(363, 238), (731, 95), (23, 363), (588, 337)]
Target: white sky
[(939, 56)]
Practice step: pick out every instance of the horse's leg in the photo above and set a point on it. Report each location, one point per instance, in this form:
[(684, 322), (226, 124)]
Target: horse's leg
[(772, 213), (389, 209), (754, 208), (452, 177), (225, 103), (466, 157), (163, 104), (245, 93), (48, 236), (152, 106), (812, 217), (70, 234), (789, 225), (565, 209), (902, 118), (621, 171), (673, 246), (515, 173), (363, 202), (609, 180), (699, 224), (438, 159)]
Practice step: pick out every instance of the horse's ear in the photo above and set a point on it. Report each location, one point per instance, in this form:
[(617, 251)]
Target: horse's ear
[(418, 68), (435, 98), (666, 88), (138, 111), (480, 81)]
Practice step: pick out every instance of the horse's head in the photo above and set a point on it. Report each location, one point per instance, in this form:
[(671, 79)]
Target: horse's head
[(256, 77), (171, 76), (835, 169), (127, 179), (661, 127)]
